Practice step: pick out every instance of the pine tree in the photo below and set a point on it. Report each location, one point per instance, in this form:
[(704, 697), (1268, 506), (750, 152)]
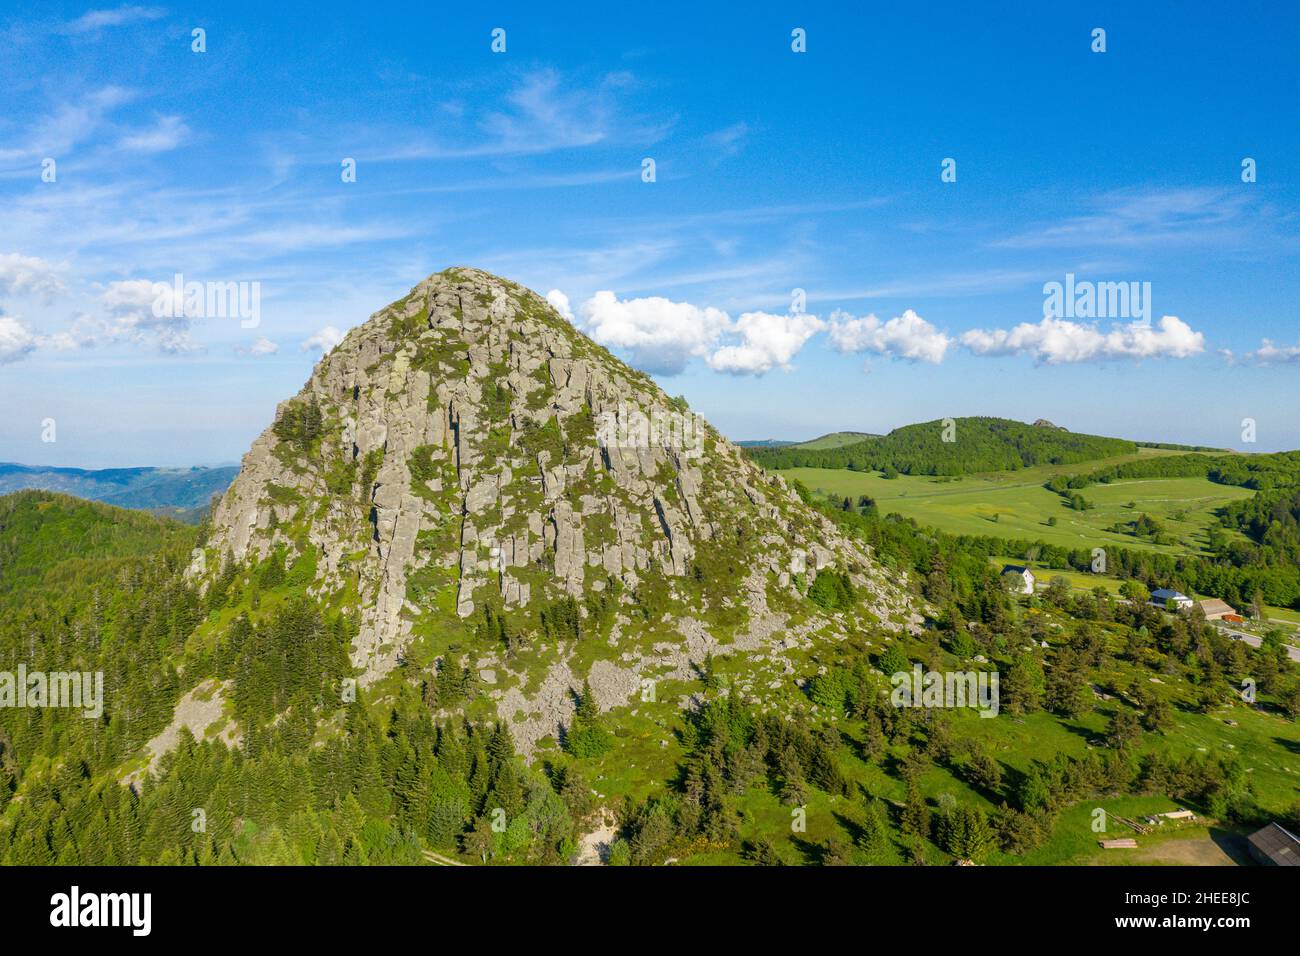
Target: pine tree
[(916, 814)]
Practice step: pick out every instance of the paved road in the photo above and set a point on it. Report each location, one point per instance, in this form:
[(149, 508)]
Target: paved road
[(1254, 640)]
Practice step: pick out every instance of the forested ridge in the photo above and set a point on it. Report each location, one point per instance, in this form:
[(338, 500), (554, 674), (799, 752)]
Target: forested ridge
[(968, 446), (371, 791)]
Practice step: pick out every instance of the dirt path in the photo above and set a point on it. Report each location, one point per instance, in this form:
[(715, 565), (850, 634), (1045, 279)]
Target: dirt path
[(440, 859), (594, 846)]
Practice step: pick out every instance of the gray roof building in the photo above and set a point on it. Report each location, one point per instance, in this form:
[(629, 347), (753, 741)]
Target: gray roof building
[(1275, 845)]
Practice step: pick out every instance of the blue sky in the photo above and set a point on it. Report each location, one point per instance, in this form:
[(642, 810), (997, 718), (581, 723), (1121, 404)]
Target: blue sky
[(774, 171)]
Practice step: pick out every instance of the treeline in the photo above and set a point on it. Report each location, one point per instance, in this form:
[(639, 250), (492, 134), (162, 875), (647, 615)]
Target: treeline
[(370, 794), (1171, 446), (1258, 472), (963, 446)]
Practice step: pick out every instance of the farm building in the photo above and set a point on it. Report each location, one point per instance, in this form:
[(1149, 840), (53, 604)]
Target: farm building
[(1161, 597), (1025, 584), (1216, 610), (1275, 846)]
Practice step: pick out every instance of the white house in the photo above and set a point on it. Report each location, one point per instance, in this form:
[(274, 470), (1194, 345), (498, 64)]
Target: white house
[(1161, 597), (1025, 582)]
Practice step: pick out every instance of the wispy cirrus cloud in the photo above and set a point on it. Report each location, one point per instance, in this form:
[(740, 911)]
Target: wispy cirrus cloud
[(167, 133), (1143, 218), (95, 20), (543, 111), (728, 141), (67, 125)]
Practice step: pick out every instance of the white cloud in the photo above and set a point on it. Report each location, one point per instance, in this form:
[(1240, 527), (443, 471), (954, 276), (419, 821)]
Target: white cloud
[(132, 296), (263, 346), (22, 275), (560, 303), (1059, 341), (16, 340), (98, 19), (142, 304), (146, 311), (658, 334), (176, 341), (768, 341), (1270, 354), (907, 336), (86, 332), (322, 341)]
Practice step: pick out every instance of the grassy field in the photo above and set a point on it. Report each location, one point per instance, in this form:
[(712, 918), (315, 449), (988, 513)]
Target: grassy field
[(1016, 505)]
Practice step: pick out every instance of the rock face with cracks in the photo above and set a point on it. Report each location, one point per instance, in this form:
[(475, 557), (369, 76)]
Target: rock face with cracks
[(467, 447)]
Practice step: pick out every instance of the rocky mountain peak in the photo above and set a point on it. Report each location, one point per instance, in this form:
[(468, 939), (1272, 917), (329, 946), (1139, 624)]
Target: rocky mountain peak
[(466, 469)]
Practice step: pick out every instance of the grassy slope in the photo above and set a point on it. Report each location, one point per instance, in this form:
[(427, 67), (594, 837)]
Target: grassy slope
[(1022, 505), (1268, 744), (835, 440)]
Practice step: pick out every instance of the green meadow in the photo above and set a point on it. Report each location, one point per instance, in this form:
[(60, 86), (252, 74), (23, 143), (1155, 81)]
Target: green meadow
[(1014, 504)]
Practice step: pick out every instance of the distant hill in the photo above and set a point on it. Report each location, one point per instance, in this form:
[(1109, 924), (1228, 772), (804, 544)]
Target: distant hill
[(831, 440), (59, 545), (971, 445), (835, 440), (182, 493)]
